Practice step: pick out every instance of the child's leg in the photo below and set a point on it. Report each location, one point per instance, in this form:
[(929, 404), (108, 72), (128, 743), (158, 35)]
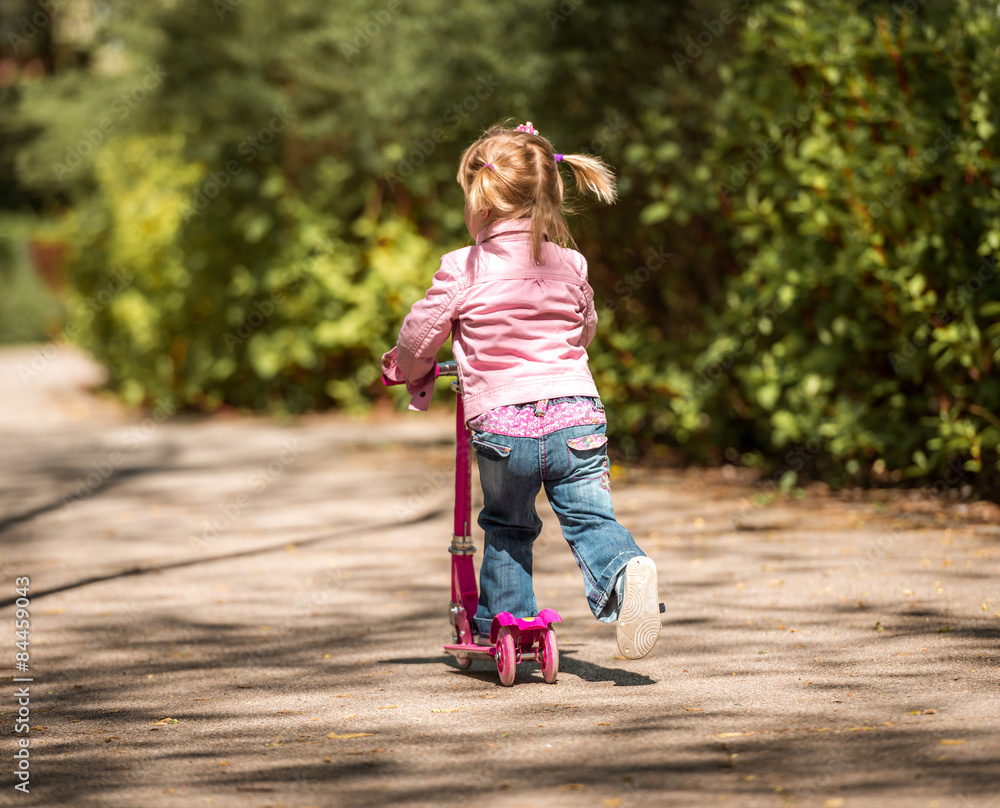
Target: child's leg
[(576, 475), (509, 471)]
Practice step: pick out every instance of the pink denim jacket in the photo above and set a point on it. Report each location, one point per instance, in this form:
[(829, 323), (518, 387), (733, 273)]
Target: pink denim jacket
[(519, 331)]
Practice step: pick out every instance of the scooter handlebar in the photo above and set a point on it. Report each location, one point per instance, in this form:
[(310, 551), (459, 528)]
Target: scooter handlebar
[(449, 368)]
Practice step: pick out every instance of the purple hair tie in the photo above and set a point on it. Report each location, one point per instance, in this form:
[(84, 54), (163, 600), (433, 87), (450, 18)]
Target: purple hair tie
[(489, 166), (558, 157)]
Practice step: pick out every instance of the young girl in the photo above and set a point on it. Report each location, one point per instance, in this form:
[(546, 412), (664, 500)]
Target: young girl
[(521, 314)]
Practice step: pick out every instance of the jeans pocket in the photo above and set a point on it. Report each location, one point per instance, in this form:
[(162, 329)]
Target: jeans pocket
[(588, 458), (489, 449), (586, 443)]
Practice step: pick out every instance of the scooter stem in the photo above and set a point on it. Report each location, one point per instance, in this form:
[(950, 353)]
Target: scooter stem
[(463, 483), (463, 574)]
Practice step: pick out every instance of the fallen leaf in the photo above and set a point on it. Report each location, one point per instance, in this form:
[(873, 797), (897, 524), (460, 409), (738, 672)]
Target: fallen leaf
[(388, 707), (604, 723), (951, 741), (333, 736), (836, 802), (613, 802), (695, 709), (572, 787), (166, 721), (449, 710)]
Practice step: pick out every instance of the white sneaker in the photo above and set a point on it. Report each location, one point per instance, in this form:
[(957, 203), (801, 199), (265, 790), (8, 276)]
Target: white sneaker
[(639, 618)]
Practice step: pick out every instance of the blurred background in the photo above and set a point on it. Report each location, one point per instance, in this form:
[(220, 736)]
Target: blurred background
[(232, 204)]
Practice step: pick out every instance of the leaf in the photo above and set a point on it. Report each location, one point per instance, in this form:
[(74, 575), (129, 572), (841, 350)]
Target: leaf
[(448, 710), (333, 736), (572, 787), (951, 741), (166, 721)]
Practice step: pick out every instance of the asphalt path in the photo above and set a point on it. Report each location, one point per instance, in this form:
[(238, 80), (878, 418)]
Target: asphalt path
[(233, 611)]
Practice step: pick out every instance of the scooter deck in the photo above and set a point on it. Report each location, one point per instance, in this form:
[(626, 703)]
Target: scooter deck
[(471, 651)]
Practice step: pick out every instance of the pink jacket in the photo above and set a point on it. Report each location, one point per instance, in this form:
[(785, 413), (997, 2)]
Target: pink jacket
[(519, 331)]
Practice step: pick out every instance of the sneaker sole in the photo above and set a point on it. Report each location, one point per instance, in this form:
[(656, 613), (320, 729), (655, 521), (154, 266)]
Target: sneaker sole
[(639, 619)]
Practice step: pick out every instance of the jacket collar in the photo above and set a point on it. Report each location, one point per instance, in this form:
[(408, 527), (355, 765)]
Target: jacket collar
[(505, 229)]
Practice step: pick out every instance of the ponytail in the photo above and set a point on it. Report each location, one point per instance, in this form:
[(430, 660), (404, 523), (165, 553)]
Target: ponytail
[(592, 174)]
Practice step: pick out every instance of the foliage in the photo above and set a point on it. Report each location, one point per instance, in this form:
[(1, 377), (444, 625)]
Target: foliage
[(854, 155), (798, 274)]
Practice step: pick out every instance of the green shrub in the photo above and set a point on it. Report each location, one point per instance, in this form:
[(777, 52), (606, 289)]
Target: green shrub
[(252, 300), (854, 157)]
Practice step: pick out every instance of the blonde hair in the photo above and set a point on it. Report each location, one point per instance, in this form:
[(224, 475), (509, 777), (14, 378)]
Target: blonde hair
[(516, 175)]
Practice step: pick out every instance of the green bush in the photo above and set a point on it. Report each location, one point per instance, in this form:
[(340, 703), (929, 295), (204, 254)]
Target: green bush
[(252, 300), (798, 275), (853, 157)]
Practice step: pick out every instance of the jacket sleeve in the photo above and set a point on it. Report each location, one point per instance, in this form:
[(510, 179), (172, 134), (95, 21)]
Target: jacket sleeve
[(424, 331), (589, 312)]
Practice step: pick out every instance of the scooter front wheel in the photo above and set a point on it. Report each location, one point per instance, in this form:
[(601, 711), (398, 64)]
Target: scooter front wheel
[(549, 656), (506, 657)]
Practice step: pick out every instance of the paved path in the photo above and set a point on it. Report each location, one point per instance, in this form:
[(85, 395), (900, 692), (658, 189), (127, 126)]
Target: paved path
[(234, 612)]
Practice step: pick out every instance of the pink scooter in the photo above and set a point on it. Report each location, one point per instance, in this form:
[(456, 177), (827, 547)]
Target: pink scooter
[(512, 639)]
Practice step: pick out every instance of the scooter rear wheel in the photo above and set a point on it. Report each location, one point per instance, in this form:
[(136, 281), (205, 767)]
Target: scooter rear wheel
[(506, 657), (549, 656), (464, 632)]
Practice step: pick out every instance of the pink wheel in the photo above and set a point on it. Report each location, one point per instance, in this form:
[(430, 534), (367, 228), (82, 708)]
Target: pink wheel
[(548, 655), (506, 657)]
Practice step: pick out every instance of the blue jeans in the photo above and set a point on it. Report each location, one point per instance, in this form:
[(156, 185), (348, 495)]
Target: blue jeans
[(575, 474)]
